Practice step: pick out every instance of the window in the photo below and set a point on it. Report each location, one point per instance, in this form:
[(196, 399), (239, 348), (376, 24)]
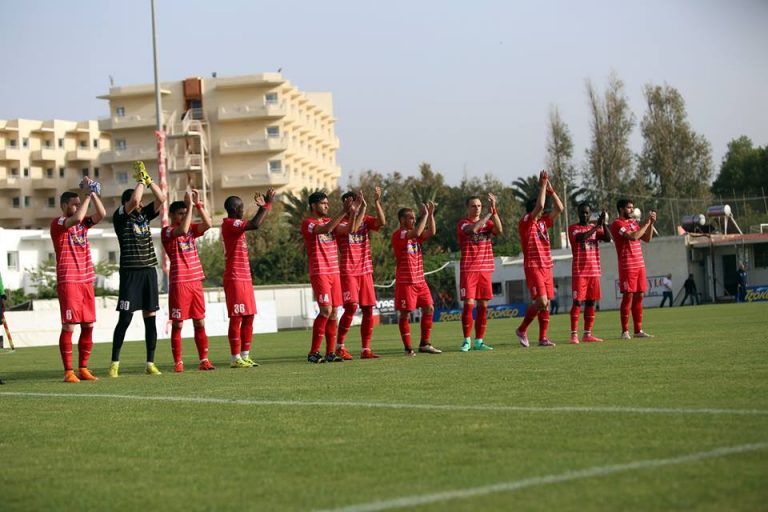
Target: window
[(16, 202), (26, 172), (95, 143), (120, 143), (48, 143), (14, 172), (51, 257), (122, 177), (12, 143), (271, 98), (273, 132), (84, 144), (49, 172), (25, 142), (84, 172), (95, 172), (496, 288), (761, 255), (61, 172), (112, 257), (13, 260), (27, 201), (51, 202), (120, 112), (61, 143), (275, 166)]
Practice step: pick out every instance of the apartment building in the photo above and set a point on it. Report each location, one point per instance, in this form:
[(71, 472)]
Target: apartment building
[(41, 159), (225, 135)]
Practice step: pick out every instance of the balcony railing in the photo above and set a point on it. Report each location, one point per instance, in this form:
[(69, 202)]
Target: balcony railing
[(44, 155), (10, 184), (140, 120), (82, 154), (255, 179), (10, 154), (251, 111), (148, 152), (46, 183), (260, 144)]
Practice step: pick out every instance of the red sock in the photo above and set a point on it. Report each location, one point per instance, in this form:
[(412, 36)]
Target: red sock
[(637, 312), (575, 312), (466, 319), (543, 323), (246, 333), (626, 303), (481, 321), (426, 328), (318, 331), (65, 348), (366, 328), (346, 321), (234, 334), (85, 345), (201, 342), (176, 343), (405, 330), (331, 328), (530, 314), (589, 317)]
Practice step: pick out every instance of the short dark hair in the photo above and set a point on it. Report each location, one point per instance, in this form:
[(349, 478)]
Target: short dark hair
[(231, 204), (345, 195), (583, 204), (402, 211), (623, 202), (176, 206), (470, 198), (66, 197), (316, 197), (127, 195), (530, 205)]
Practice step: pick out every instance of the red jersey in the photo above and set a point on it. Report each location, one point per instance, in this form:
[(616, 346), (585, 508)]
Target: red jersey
[(182, 252), (73, 252), (236, 264), (355, 248), (321, 248), (534, 238), (410, 262), (476, 248), (586, 254), (629, 252)]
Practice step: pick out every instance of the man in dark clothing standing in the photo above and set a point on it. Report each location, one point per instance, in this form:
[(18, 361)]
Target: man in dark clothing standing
[(690, 291)]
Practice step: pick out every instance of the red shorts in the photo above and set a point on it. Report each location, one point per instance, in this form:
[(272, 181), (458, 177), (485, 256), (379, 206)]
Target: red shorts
[(586, 288), (358, 290), (185, 301), (540, 282), (240, 299), (475, 285), (77, 303), (411, 296), (633, 281), (327, 288)]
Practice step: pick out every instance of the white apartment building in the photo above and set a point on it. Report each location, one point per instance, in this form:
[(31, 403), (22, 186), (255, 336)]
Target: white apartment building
[(41, 159), (226, 135)]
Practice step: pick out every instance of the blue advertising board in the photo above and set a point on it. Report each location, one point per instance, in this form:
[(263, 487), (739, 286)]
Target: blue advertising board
[(499, 311)]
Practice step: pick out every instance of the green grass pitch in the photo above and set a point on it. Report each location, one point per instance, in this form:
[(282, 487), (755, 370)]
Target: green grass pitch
[(677, 422)]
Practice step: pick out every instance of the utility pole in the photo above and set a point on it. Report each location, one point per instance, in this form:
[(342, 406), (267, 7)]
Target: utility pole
[(160, 139)]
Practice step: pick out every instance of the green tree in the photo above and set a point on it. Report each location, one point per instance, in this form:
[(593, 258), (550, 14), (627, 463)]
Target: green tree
[(744, 170), (560, 164), (43, 279)]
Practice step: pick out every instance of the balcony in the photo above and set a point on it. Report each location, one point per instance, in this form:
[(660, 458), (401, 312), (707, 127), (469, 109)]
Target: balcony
[(44, 155), (260, 80), (11, 213), (82, 154), (47, 213), (252, 111), (140, 120), (10, 154), (259, 144), (46, 183), (10, 184), (255, 179), (185, 163), (148, 152)]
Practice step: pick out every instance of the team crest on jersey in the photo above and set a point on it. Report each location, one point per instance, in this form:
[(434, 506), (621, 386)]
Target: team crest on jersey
[(480, 237), (140, 228), (357, 238), (186, 245), (77, 240), (325, 238), (414, 247)]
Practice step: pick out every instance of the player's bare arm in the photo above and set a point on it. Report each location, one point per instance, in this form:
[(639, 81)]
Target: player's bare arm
[(183, 228), (557, 204), (101, 212), (538, 209), (498, 229), (160, 198), (357, 219), (264, 202), (205, 217), (601, 222), (419, 227), (80, 213), (650, 221), (431, 227), (379, 209), (331, 226)]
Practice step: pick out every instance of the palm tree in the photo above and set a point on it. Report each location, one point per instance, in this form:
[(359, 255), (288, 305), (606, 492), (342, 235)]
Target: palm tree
[(525, 189)]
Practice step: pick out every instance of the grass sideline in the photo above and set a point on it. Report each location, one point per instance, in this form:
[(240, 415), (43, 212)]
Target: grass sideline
[(278, 437)]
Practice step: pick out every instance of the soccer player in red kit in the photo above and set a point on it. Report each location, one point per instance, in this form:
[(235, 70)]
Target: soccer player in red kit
[(320, 243), (475, 235), (411, 290), (537, 259), (585, 269), (627, 233), (353, 238), (185, 293), (238, 284), (75, 276)]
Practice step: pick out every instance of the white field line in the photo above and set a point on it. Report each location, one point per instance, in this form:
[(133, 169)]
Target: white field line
[(390, 405), (595, 471)]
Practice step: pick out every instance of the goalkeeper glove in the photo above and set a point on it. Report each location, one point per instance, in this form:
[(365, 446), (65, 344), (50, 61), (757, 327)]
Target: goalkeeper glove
[(140, 173)]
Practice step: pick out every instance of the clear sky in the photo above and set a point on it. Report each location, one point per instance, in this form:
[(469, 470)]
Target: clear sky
[(465, 85)]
